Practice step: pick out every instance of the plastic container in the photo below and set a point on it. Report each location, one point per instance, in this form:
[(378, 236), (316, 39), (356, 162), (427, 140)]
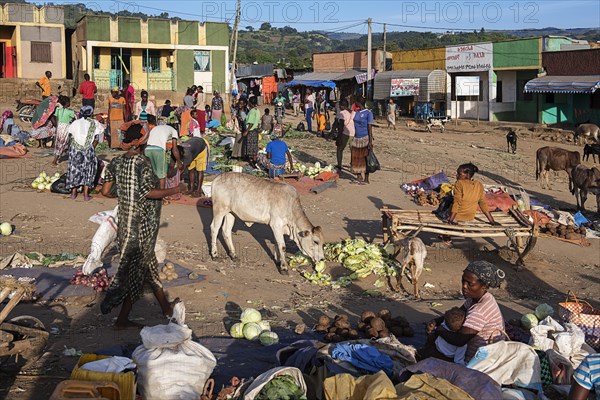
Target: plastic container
[(84, 390), (237, 168), (125, 380)]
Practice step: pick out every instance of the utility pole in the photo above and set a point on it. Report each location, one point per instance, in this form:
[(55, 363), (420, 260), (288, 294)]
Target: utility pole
[(369, 39), (384, 47), (234, 37)]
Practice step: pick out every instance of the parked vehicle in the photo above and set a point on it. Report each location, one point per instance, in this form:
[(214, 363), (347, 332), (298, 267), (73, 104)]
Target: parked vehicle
[(26, 107)]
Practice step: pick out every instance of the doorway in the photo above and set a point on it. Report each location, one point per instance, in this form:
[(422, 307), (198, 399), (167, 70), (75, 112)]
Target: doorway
[(120, 66)]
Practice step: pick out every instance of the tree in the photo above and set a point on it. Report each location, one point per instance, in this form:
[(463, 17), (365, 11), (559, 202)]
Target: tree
[(288, 30), (265, 26), (250, 28), (482, 30)]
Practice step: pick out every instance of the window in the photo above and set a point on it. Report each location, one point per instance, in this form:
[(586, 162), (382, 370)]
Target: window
[(201, 61), (96, 60), (41, 52), (499, 92), (151, 61), (521, 95)]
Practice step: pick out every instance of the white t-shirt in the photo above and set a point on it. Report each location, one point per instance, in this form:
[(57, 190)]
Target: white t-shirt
[(311, 99), (161, 135), (347, 118), (449, 350)]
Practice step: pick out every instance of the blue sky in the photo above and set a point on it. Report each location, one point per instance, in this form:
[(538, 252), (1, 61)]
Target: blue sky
[(407, 15)]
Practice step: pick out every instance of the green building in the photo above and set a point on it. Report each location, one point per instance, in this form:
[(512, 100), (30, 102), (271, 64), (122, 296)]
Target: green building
[(153, 54)]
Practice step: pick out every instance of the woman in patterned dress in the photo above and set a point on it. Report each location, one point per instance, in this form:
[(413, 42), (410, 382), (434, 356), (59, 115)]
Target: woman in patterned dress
[(83, 163), (139, 217)]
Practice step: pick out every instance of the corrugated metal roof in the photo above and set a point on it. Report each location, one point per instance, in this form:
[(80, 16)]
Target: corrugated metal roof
[(432, 86), (350, 74), (563, 84), (318, 76), (253, 70)]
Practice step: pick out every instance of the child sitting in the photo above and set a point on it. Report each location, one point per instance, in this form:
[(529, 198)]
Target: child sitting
[(453, 321)]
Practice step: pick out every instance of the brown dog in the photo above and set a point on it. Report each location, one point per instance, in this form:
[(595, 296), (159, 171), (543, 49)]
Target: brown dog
[(411, 124), (410, 251)]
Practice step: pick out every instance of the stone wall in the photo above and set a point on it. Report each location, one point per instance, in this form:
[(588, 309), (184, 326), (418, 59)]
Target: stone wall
[(12, 89)]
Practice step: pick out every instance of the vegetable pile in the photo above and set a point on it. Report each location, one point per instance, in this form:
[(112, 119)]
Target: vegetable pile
[(542, 311), (356, 255), (282, 387), (168, 273), (48, 259), (312, 171), (44, 181), (99, 281), (252, 327)]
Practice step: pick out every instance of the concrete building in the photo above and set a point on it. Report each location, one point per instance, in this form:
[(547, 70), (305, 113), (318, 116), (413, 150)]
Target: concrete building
[(347, 60), (568, 90), (32, 41), (156, 54)]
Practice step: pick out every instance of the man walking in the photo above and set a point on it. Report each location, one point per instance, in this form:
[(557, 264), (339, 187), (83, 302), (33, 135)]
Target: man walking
[(88, 90)]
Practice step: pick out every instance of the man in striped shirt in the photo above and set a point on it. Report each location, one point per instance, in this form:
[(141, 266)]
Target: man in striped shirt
[(586, 378)]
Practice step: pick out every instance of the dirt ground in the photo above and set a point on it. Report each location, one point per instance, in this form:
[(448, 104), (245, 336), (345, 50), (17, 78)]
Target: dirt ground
[(52, 224)]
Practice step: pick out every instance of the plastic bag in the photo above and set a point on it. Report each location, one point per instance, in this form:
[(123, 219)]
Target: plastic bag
[(60, 185), (372, 162), (170, 365)]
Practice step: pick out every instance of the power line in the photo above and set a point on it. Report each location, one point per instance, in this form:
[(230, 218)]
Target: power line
[(422, 27)]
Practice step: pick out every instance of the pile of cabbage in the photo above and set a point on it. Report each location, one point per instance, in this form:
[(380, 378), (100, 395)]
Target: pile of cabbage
[(44, 181), (361, 258), (542, 311), (252, 327), (312, 171)]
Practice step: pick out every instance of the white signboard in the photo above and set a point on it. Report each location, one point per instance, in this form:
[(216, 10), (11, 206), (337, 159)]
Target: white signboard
[(467, 86), (470, 57)]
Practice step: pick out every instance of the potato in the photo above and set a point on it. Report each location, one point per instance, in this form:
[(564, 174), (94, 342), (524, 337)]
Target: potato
[(337, 339), (362, 326), (332, 329), (170, 265), (324, 320), (174, 274), (353, 334), (385, 314), (329, 337), (373, 333), (321, 328), (384, 333), (367, 315), (378, 324), (342, 317), (165, 270), (162, 276), (342, 324)]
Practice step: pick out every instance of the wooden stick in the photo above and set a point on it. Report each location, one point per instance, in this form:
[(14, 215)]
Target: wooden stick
[(11, 304), (464, 234), (4, 293)]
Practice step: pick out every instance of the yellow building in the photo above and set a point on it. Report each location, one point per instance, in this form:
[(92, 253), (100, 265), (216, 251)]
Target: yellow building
[(419, 59), (32, 41)]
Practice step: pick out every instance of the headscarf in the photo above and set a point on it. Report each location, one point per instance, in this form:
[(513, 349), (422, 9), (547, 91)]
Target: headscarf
[(86, 111), (487, 273), (5, 115)]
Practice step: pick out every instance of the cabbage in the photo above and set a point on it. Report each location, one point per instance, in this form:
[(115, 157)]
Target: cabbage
[(5, 228), (268, 338), (250, 315), (543, 310), (320, 267), (265, 325), (529, 321), (251, 331), (34, 184), (237, 331)]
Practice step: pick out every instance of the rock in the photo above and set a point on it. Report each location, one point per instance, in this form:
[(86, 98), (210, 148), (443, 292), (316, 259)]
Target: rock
[(300, 328)]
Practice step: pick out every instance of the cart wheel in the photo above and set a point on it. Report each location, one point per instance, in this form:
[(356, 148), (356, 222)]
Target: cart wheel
[(38, 342)]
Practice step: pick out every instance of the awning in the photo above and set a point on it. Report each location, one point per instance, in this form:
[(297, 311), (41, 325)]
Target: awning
[(311, 83), (563, 84)]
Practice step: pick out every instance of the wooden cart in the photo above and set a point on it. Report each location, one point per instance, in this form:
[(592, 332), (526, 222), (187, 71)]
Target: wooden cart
[(513, 225), (23, 337)]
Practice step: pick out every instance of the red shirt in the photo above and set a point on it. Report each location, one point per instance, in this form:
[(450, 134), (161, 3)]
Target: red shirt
[(87, 89)]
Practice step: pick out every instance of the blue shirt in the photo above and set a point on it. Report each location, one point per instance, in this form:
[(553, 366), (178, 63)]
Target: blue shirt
[(362, 120), (587, 375), (278, 150)]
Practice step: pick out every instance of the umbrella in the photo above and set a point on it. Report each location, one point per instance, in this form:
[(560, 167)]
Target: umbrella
[(43, 111)]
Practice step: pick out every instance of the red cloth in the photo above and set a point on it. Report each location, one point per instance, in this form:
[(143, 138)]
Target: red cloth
[(87, 89), (499, 200), (201, 118)]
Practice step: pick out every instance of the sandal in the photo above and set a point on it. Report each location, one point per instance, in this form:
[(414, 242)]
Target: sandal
[(73, 196), (87, 198), (207, 394)]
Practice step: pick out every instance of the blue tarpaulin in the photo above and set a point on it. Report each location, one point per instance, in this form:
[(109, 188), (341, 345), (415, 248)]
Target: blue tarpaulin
[(311, 83)]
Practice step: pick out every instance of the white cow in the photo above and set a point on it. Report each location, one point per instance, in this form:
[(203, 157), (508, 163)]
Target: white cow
[(257, 200)]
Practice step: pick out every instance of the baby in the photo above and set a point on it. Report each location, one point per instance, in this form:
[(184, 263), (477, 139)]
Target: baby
[(453, 321)]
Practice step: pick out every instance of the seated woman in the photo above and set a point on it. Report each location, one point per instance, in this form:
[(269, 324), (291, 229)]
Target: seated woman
[(468, 194), (484, 322)]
